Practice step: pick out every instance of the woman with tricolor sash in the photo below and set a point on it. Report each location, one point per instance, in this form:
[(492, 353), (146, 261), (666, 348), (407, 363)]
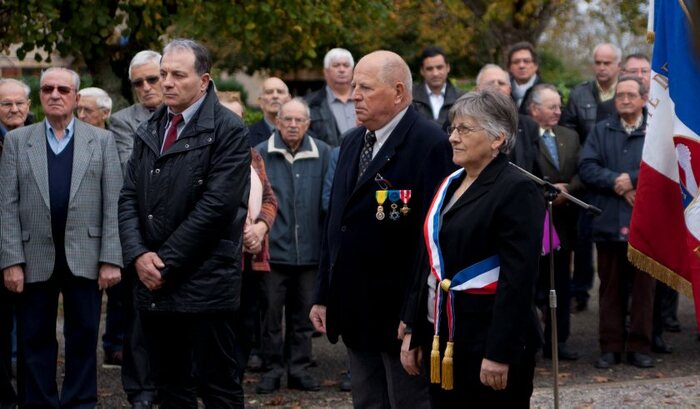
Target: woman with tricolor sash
[(476, 286)]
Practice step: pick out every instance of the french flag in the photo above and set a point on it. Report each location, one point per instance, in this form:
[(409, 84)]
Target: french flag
[(664, 235)]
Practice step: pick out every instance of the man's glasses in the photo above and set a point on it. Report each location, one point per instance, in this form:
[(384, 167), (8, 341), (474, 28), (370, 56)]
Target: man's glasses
[(288, 120), (8, 104), (151, 80), (62, 89)]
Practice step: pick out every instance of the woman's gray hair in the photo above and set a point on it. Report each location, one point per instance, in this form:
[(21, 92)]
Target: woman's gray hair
[(491, 110)]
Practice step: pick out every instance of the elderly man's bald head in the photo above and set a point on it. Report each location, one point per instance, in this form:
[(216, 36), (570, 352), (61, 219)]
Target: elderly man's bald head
[(274, 94), (493, 76), (381, 88)]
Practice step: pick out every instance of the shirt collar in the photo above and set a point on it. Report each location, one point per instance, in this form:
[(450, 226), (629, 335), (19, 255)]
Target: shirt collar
[(270, 126), (384, 132), (430, 92), (69, 129), (629, 128), (543, 131), (188, 113), (605, 95)]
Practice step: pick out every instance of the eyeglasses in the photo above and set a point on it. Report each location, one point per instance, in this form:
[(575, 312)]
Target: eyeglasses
[(626, 95), (288, 120), (8, 104), (638, 71), (521, 60), (462, 130), (86, 110), (151, 80), (62, 89)]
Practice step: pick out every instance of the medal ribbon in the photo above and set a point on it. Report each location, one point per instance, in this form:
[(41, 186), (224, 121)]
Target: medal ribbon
[(381, 196), (405, 196)]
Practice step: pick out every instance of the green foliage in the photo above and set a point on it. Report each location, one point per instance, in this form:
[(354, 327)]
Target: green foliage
[(555, 72), (251, 116), (287, 35), (278, 34), (230, 84)]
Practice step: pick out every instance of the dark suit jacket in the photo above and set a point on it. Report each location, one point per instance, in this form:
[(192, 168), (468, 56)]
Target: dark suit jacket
[(502, 214), (524, 153), (568, 148), (366, 264), (421, 101), (258, 132), (323, 125)]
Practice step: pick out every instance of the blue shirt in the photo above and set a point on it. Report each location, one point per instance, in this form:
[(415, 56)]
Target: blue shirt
[(57, 146)]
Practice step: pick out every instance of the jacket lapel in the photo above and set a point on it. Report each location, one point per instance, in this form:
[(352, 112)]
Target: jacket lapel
[(388, 150), (36, 150), (83, 145), (482, 184)]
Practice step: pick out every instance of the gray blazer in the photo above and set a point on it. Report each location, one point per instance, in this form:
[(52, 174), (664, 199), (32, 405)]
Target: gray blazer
[(92, 232), (124, 124)]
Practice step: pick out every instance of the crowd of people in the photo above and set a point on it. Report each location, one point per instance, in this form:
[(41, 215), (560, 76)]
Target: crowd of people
[(374, 210)]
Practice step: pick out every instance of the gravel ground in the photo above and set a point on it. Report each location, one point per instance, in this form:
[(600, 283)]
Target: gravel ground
[(673, 383)]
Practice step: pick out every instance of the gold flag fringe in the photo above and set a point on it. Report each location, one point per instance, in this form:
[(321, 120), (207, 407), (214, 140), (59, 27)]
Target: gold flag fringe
[(659, 271), (651, 36)]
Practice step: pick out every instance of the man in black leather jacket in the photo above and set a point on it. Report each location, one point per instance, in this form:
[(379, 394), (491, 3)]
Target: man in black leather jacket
[(181, 214)]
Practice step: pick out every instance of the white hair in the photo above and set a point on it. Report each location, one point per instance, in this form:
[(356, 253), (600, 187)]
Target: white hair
[(19, 83), (337, 54), (616, 51), (299, 101), (76, 77), (144, 57), (490, 67), (102, 99)]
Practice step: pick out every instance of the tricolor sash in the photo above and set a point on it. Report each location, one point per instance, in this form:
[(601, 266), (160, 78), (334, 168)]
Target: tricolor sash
[(479, 278)]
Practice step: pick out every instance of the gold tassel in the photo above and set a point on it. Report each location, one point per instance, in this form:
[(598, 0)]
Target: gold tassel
[(651, 36), (447, 383), (435, 360)]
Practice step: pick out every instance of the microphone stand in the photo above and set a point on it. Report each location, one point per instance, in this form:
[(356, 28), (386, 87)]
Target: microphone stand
[(550, 193)]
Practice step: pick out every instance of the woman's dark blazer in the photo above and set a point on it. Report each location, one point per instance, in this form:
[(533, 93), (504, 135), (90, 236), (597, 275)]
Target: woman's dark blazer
[(502, 214)]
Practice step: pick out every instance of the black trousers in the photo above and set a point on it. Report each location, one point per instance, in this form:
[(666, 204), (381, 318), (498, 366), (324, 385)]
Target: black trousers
[(470, 392), (248, 320), (665, 307), (620, 281), (582, 280), (37, 347), (137, 377), (194, 355), (8, 397), (287, 291), (562, 284)]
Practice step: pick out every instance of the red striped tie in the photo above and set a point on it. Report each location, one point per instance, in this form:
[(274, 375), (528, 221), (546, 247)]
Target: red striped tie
[(171, 136)]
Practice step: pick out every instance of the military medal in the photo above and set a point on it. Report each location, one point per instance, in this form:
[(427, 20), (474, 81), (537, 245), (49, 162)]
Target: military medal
[(394, 197), (381, 198), (405, 197)]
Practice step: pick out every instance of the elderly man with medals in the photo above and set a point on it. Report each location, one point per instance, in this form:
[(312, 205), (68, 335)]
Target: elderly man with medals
[(483, 240)]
